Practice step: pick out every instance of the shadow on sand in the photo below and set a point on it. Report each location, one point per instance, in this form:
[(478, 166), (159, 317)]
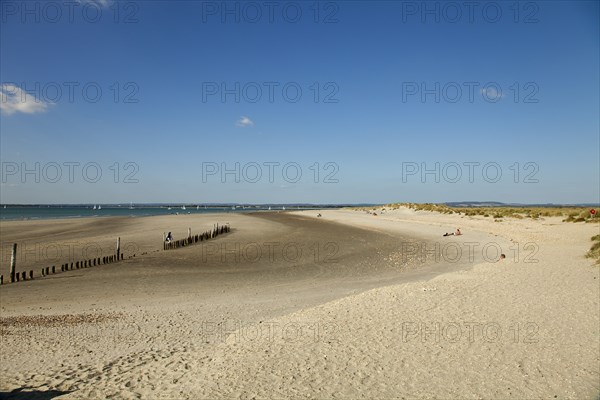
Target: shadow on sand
[(27, 394)]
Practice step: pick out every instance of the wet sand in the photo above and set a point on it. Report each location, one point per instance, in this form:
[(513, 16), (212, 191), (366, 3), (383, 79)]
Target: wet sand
[(266, 256)]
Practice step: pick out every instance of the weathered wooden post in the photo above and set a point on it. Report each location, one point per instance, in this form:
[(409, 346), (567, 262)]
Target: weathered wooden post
[(1, 279), (13, 262), (24, 275), (53, 269), (43, 272), (118, 248), (30, 274), (47, 270)]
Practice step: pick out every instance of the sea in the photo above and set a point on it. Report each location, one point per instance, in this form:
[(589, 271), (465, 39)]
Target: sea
[(34, 212)]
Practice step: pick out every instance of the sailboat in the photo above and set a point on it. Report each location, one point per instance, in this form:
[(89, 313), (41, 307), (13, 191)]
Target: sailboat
[(131, 206), (99, 207), (183, 207), (94, 207), (283, 208), (269, 208), (197, 207)]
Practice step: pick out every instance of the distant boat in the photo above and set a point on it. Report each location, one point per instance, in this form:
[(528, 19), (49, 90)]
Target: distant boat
[(131, 206), (94, 207), (269, 208), (168, 208), (183, 207), (197, 207), (99, 207), (283, 208), (233, 207)]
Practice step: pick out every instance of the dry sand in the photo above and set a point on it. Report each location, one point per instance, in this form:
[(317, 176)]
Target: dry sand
[(348, 306)]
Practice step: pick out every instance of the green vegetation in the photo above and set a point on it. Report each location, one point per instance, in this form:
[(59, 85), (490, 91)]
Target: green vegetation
[(570, 214), (595, 250)]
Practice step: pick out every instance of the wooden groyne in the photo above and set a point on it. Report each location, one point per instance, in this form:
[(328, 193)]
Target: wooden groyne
[(192, 239), (107, 259), (51, 270)]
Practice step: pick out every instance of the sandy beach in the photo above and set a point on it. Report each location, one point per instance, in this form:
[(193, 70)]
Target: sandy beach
[(291, 305)]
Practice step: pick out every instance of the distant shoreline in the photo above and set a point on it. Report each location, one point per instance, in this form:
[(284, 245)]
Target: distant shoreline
[(38, 213)]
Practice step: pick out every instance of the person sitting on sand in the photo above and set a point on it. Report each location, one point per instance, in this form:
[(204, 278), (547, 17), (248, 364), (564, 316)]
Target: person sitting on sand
[(457, 233), (169, 237)]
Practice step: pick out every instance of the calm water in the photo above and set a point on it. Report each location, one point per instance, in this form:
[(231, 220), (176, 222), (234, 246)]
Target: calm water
[(51, 212)]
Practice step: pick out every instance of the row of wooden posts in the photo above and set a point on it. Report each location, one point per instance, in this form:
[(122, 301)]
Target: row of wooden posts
[(118, 256), (191, 239), (23, 276)]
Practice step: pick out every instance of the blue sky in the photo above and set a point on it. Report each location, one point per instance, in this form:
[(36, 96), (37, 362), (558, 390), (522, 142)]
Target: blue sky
[(387, 105)]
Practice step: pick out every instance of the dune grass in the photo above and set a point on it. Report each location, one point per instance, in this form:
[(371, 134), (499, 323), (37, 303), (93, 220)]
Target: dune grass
[(595, 250), (570, 214)]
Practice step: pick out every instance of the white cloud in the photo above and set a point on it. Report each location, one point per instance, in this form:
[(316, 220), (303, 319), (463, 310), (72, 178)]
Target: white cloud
[(13, 99), (492, 93), (244, 122)]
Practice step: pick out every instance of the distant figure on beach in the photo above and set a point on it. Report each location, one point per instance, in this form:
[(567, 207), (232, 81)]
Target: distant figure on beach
[(502, 257), (457, 233), (319, 215), (169, 238)]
